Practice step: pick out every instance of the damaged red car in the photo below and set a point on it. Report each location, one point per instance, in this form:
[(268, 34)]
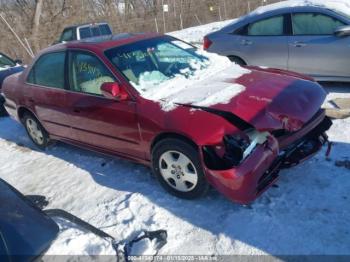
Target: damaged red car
[(195, 118)]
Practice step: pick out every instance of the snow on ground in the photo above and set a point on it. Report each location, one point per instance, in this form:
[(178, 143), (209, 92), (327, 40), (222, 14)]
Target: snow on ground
[(308, 213)]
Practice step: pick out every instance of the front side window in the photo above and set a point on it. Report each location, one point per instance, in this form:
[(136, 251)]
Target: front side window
[(48, 71), (87, 73), (67, 35), (273, 26), (150, 62), (314, 24), (6, 62)]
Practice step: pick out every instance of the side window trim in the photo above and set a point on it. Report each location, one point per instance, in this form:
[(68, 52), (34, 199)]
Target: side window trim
[(317, 13), (38, 59), (68, 69)]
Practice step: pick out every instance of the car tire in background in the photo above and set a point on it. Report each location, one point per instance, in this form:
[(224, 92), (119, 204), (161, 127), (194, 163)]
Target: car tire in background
[(237, 60), (2, 108), (178, 168), (36, 131)]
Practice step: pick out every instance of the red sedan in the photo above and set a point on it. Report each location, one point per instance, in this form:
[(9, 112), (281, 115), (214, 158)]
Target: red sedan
[(195, 118)]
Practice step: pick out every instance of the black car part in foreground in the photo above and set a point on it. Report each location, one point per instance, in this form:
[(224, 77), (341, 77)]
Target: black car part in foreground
[(26, 231)]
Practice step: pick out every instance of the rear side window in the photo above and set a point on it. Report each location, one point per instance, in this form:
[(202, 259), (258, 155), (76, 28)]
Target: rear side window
[(85, 32), (48, 71), (273, 26), (314, 24), (105, 30)]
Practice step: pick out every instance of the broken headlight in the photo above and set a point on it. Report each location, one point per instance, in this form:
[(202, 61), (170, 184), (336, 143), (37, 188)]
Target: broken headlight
[(238, 149), (234, 149)]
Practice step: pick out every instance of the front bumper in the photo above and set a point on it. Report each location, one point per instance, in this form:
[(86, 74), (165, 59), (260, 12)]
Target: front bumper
[(246, 182)]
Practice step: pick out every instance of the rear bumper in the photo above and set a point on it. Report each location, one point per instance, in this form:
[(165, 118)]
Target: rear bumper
[(259, 171), (11, 109)]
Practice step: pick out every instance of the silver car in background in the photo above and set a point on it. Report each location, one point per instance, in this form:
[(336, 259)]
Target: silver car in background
[(308, 39)]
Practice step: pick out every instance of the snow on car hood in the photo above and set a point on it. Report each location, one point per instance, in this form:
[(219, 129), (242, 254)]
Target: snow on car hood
[(341, 6), (208, 86), (267, 99), (4, 68)]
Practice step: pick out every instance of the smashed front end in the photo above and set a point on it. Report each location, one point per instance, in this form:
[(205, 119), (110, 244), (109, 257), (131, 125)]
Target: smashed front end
[(242, 167)]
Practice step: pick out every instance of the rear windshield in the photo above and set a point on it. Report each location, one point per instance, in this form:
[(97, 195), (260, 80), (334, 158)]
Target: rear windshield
[(85, 32), (92, 31), (105, 30)]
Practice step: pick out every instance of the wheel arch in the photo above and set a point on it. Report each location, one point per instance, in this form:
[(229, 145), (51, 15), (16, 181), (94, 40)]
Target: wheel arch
[(173, 135), (22, 110), (233, 57)]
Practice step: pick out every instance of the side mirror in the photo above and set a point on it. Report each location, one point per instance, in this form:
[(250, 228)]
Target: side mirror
[(114, 91), (342, 31), (18, 61)]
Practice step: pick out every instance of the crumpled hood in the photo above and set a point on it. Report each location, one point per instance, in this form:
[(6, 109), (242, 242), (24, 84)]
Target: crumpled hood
[(274, 99)]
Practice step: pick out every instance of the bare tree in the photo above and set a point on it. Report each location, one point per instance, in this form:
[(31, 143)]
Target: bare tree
[(36, 24)]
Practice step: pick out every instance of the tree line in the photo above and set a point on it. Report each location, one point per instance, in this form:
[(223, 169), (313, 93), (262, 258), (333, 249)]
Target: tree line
[(27, 26)]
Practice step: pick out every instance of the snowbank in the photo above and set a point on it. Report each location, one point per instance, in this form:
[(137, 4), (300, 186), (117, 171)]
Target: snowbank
[(195, 34)]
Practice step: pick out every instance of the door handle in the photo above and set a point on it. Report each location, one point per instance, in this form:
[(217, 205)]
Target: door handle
[(246, 42), (299, 44)]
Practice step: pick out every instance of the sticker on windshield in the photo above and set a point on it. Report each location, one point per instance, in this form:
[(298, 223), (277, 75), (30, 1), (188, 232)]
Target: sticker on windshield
[(182, 44)]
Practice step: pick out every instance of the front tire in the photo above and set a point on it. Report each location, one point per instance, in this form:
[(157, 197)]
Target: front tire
[(36, 131), (178, 168)]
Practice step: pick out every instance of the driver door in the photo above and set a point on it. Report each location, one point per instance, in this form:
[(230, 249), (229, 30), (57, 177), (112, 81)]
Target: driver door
[(314, 49), (99, 122)]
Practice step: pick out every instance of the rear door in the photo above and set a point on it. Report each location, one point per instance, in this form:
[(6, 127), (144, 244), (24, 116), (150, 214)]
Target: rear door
[(45, 93), (265, 42), (314, 49), (98, 121)]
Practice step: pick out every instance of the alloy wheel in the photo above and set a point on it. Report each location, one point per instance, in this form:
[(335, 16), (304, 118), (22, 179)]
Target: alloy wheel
[(178, 171), (35, 131)]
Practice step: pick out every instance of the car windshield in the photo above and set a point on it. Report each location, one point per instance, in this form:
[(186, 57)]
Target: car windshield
[(6, 62), (150, 62)]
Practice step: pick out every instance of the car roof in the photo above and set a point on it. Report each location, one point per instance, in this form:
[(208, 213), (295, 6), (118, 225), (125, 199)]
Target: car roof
[(82, 25), (103, 43), (281, 8), (338, 6)]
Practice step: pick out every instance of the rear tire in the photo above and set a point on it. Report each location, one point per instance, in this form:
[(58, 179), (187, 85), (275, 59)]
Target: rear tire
[(237, 60), (178, 169), (36, 131)]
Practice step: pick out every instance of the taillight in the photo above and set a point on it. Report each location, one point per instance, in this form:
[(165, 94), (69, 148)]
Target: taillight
[(207, 43)]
